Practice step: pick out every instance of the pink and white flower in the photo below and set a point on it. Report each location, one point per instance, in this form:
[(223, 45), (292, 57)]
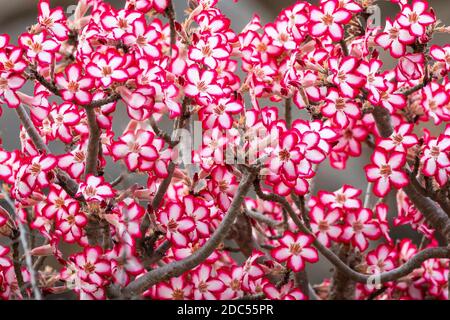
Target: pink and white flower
[(359, 226), (386, 171), (325, 224), (415, 18), (95, 189), (295, 249), (328, 20), (75, 86)]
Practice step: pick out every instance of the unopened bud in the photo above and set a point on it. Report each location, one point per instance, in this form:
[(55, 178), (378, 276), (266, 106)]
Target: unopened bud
[(45, 250)]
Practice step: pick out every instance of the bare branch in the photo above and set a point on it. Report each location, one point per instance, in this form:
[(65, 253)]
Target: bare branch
[(262, 218), (93, 144)]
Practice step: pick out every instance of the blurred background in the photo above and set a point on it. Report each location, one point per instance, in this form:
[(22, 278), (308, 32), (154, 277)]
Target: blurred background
[(16, 15)]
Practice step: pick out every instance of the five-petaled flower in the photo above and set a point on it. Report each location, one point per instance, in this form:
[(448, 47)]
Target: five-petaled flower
[(385, 171), (295, 249), (95, 189)]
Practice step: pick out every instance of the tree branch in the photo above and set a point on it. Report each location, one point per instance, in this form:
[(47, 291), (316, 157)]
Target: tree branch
[(93, 144), (179, 267)]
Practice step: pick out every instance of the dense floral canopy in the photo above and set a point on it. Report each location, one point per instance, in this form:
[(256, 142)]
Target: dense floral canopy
[(193, 230)]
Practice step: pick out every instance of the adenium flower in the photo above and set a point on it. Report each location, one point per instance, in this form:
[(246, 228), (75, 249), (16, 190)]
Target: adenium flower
[(295, 249), (95, 189), (386, 171), (328, 20), (359, 228)]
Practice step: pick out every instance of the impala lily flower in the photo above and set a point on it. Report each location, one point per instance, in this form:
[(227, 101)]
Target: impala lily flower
[(214, 145), (95, 189), (286, 157), (12, 61), (53, 20), (35, 174), (324, 58), (126, 218), (295, 249), (389, 99), (386, 171), (9, 84), (252, 270), (124, 264), (57, 204), (374, 82), (74, 162), (71, 223), (201, 84), (91, 267), (381, 259), (196, 209), (395, 38), (381, 211), (280, 34), (4, 40), (224, 185), (286, 292), (205, 285), (220, 113), (144, 38), (340, 109), (177, 288), (415, 18), (433, 272), (401, 140), (120, 22), (328, 20), (435, 155), (64, 117), (75, 86), (133, 147), (208, 50), (325, 224), (107, 68), (344, 198), (160, 5), (346, 77), (441, 54), (434, 101), (176, 224), (232, 279), (359, 227), (38, 47), (5, 262)]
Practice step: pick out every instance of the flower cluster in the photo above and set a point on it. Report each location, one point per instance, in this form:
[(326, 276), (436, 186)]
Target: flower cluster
[(265, 108)]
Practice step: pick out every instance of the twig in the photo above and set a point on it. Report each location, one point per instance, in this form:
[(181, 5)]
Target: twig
[(170, 12), (263, 219), (17, 264), (160, 252), (288, 112), (163, 135), (367, 195), (29, 261)]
